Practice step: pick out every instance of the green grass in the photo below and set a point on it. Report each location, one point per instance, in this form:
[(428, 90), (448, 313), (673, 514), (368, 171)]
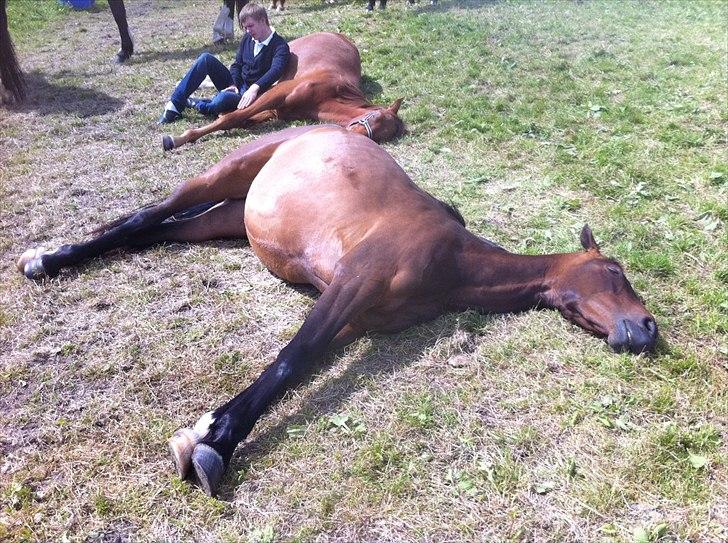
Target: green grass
[(533, 118), (31, 20)]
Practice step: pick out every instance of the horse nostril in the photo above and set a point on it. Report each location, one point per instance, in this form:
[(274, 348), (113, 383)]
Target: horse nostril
[(650, 325)]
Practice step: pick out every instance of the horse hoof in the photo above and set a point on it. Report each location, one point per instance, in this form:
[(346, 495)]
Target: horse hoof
[(209, 468), (181, 446), (122, 55), (30, 263), (167, 143)]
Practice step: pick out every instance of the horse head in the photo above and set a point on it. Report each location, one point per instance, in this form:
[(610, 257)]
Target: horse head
[(380, 124), (592, 291)]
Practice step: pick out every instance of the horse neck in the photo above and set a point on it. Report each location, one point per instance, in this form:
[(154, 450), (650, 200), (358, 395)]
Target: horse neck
[(494, 280)]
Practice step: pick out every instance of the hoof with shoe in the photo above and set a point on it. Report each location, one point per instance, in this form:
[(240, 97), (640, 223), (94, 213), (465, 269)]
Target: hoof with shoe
[(181, 446), (30, 263), (209, 468)]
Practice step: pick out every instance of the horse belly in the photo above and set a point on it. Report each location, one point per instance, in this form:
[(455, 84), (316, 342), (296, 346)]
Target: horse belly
[(287, 257), (288, 231)]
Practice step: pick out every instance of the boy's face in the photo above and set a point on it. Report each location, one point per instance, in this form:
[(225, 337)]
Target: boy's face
[(258, 30)]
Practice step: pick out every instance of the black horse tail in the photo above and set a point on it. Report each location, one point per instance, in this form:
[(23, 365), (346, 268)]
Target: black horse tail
[(11, 76), (194, 211)]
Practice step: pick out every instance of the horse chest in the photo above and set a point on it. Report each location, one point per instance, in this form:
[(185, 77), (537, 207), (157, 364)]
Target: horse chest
[(398, 314)]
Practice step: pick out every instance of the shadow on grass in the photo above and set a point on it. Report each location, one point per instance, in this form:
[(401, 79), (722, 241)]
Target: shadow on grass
[(370, 87), (443, 6), (190, 53), (48, 97), (387, 354)]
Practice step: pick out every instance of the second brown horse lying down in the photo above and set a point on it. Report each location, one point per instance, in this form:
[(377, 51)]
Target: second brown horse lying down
[(326, 207), (321, 83)]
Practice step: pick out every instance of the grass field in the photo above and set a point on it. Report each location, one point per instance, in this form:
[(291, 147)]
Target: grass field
[(533, 117)]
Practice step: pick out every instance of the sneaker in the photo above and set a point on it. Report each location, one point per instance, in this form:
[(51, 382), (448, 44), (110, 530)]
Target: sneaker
[(194, 102), (168, 116)]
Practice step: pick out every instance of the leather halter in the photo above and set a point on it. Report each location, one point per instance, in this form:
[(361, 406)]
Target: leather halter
[(365, 123)]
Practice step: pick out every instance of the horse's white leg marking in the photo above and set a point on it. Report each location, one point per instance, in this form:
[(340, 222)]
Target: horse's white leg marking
[(203, 425)]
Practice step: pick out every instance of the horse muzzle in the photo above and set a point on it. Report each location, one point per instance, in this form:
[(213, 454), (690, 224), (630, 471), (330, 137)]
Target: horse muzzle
[(632, 336)]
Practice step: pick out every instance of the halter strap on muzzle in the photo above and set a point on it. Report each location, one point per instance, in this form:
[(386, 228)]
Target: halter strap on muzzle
[(365, 123)]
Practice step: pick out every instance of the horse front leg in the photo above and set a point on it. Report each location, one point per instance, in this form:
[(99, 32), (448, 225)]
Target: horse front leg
[(207, 448), (269, 100), (228, 121)]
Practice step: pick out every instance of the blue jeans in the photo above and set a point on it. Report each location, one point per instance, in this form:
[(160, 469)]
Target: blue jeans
[(206, 64)]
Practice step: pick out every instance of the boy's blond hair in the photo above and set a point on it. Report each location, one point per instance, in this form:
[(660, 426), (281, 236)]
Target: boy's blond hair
[(255, 12)]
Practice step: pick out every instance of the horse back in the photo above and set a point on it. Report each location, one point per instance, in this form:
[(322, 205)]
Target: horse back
[(323, 51)]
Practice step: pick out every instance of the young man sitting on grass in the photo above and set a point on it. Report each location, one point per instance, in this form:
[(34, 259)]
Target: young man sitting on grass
[(259, 62)]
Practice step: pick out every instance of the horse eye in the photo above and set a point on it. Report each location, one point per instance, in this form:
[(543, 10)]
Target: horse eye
[(614, 270)]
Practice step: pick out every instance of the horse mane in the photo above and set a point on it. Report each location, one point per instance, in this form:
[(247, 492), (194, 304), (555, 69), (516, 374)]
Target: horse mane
[(452, 211), (455, 214), (11, 75), (348, 92)]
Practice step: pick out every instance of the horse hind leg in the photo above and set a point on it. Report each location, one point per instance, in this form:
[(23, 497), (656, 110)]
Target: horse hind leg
[(229, 179), (221, 221), (38, 262), (118, 10), (142, 229)]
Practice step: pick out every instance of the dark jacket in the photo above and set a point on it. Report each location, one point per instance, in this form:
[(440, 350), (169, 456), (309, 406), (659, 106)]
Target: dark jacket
[(265, 69)]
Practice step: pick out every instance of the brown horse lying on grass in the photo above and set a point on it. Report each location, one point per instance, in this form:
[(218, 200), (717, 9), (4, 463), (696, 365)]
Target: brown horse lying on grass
[(326, 207), (320, 83)]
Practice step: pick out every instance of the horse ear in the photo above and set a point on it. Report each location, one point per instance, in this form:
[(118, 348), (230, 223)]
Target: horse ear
[(394, 108), (587, 239)]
